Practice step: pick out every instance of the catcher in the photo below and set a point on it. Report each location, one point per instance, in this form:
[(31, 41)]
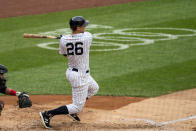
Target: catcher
[(23, 99)]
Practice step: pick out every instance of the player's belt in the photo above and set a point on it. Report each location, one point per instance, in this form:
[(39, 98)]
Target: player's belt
[(76, 70)]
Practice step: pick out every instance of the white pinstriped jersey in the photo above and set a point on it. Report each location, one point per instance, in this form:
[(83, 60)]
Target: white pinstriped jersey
[(76, 47)]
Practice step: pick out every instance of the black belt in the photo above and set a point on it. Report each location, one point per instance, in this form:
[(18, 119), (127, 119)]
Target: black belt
[(76, 70)]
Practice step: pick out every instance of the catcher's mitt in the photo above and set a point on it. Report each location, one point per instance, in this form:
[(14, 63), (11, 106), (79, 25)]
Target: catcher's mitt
[(24, 100), (1, 106)]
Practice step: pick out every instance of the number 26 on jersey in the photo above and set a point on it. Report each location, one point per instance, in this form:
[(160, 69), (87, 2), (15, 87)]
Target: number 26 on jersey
[(74, 48)]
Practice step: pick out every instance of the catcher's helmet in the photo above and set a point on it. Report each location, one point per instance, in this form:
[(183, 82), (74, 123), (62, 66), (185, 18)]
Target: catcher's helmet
[(77, 21), (3, 69)]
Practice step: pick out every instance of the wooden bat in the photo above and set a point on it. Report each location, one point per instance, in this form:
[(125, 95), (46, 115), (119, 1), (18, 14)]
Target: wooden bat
[(25, 35)]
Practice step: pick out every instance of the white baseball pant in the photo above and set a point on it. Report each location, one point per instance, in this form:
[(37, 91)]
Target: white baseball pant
[(83, 86)]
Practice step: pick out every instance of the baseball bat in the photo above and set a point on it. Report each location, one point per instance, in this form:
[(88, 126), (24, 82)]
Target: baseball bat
[(25, 35)]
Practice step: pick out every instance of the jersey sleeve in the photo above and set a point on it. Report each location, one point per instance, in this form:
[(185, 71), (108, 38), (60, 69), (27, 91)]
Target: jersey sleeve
[(62, 47), (89, 36)]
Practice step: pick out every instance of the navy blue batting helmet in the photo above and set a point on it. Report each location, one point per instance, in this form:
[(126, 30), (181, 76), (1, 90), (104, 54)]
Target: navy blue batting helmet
[(77, 21), (3, 69)]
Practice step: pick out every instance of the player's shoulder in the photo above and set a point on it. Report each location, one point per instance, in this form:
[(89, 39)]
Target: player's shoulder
[(88, 34), (65, 36), (63, 39)]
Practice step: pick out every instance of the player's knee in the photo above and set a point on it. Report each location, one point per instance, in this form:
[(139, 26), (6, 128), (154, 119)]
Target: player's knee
[(79, 107), (93, 89), (96, 88)]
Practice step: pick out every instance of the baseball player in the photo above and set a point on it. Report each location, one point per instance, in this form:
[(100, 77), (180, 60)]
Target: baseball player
[(75, 47), (23, 98)]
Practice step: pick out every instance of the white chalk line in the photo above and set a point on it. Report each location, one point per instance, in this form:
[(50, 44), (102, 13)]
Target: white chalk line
[(178, 120), (124, 38), (153, 123), (119, 46)]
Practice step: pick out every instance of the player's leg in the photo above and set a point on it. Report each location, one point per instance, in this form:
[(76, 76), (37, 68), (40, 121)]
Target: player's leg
[(79, 95), (92, 88), (79, 99), (1, 106), (47, 115)]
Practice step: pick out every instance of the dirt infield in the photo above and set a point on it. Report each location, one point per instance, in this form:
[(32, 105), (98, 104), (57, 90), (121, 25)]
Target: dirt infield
[(173, 112), (97, 102)]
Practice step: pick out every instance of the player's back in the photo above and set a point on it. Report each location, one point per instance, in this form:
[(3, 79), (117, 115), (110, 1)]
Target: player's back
[(76, 47)]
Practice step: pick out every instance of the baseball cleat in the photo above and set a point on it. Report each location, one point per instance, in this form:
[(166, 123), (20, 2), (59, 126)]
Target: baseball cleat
[(74, 117), (45, 120)]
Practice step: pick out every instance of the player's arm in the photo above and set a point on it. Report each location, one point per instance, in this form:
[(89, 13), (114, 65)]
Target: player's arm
[(62, 49)]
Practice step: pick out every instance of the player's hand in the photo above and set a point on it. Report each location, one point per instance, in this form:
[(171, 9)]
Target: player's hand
[(24, 100)]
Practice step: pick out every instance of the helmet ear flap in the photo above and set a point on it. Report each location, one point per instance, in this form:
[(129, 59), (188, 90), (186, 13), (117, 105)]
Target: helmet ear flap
[(72, 24), (74, 27)]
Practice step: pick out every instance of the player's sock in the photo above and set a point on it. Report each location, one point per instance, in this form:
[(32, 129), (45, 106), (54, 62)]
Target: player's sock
[(12, 92), (58, 111)]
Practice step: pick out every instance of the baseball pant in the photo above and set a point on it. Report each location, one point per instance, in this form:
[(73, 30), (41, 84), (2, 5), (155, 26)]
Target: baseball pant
[(88, 87)]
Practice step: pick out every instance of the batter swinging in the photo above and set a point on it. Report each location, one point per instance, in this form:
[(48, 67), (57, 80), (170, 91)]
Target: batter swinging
[(76, 48)]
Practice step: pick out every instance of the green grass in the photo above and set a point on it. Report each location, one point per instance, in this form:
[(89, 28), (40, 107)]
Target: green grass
[(150, 70)]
